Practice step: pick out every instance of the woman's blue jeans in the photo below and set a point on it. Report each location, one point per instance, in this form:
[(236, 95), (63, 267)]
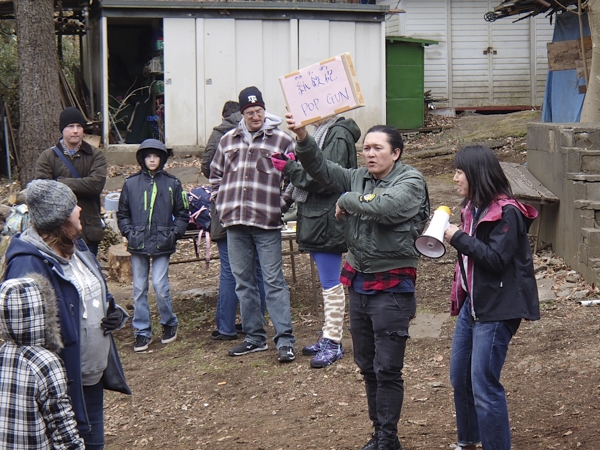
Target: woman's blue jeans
[(228, 300), (478, 354), (379, 326), (140, 266), (94, 405)]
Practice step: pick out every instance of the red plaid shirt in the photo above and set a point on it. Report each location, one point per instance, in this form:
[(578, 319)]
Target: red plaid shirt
[(378, 281)]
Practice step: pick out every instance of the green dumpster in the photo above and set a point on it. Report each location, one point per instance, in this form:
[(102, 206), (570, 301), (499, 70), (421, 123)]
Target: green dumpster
[(405, 78)]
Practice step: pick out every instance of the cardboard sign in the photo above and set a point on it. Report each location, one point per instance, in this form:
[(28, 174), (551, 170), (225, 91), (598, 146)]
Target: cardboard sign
[(322, 90)]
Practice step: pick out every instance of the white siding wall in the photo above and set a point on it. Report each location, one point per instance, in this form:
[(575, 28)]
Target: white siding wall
[(543, 35), (425, 20), (457, 69)]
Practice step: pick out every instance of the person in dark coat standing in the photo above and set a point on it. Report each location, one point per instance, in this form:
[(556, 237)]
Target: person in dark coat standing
[(319, 233), (231, 116), (90, 165), (494, 289), (153, 214)]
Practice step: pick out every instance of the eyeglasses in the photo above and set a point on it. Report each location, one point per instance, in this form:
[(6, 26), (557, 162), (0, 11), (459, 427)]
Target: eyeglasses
[(251, 114)]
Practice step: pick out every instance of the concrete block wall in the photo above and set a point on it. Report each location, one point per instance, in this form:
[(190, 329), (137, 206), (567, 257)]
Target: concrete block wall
[(566, 159)]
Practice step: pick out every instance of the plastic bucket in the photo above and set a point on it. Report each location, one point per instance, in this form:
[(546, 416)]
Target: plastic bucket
[(111, 201)]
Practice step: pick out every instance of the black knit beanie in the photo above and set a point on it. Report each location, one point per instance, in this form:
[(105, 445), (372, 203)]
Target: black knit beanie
[(250, 97), (71, 115)]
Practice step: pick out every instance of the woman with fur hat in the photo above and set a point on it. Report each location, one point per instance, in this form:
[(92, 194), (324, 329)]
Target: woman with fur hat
[(36, 411), (51, 247)]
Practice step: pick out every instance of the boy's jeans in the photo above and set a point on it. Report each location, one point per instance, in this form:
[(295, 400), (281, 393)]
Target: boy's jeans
[(227, 302), (478, 354), (140, 266), (244, 242)]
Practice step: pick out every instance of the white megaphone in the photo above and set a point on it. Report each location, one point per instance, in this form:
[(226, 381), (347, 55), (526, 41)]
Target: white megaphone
[(431, 243)]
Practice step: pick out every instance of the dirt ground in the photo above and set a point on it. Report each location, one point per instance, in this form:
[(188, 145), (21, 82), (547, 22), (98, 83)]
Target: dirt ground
[(191, 395)]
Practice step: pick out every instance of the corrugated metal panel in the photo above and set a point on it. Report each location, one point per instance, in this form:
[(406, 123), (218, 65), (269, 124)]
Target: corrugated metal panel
[(180, 82), (233, 54), (365, 44)]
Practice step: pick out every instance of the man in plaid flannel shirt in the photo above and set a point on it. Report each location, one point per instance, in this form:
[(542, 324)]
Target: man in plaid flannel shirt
[(247, 194)]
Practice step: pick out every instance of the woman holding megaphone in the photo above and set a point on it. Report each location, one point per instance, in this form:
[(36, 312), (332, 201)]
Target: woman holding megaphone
[(386, 206), (494, 288)]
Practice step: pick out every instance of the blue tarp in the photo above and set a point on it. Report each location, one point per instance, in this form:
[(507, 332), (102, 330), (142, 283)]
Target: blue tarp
[(562, 100)]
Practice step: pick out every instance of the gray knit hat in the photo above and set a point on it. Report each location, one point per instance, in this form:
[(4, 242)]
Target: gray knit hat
[(50, 203)]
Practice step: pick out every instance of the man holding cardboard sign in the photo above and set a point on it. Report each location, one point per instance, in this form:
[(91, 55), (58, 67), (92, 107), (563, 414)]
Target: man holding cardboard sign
[(247, 194)]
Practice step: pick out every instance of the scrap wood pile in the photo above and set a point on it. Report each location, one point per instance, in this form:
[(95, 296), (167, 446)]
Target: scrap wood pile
[(529, 7)]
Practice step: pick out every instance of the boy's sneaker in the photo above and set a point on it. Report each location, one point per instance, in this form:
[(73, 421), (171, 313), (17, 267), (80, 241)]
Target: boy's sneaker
[(246, 347), (312, 350), (141, 343), (285, 353), (223, 337), (169, 334), (239, 329), (330, 352)]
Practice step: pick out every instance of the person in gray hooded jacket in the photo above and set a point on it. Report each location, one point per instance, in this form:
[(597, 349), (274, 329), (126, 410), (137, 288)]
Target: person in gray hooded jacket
[(153, 214), (87, 312)]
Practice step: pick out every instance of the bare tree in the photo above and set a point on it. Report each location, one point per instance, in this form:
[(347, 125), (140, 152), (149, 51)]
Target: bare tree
[(39, 95), (591, 104)]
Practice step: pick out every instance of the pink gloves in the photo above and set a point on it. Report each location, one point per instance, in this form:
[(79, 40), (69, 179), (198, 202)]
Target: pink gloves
[(279, 160)]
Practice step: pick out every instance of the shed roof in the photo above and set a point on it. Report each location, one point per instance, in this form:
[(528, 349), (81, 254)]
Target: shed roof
[(273, 10), (409, 40), (530, 8)]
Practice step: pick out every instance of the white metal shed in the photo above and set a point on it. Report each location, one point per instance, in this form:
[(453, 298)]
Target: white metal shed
[(213, 50)]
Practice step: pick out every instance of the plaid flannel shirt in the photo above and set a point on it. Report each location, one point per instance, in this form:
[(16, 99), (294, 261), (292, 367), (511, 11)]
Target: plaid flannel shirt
[(378, 281), (246, 187), (35, 410)]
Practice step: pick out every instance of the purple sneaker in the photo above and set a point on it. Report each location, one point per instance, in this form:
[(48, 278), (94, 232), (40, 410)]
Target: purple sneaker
[(312, 350), (329, 353)]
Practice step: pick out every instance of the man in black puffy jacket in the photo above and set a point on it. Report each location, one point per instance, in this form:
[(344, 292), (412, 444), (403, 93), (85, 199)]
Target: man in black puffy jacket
[(153, 214)]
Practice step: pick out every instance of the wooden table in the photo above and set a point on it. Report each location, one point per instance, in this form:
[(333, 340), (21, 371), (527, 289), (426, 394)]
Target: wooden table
[(291, 251)]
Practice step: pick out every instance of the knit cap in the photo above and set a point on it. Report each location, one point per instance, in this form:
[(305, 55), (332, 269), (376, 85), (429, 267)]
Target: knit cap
[(249, 97), (50, 203), (71, 115)]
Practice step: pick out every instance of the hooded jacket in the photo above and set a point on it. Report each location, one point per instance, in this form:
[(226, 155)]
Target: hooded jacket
[(91, 165), (35, 412), (27, 254), (384, 217), (500, 275), (318, 229), (153, 208), (228, 123)]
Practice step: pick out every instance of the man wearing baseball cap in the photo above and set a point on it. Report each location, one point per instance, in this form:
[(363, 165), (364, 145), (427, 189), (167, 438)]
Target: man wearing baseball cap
[(80, 166), (247, 195)]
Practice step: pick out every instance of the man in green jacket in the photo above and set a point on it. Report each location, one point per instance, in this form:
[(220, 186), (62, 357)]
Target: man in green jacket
[(88, 181), (386, 205)]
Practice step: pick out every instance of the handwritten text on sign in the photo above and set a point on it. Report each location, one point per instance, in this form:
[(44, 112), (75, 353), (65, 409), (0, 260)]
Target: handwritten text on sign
[(321, 90)]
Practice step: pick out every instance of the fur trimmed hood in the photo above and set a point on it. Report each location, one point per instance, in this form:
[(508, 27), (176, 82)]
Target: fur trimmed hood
[(29, 313)]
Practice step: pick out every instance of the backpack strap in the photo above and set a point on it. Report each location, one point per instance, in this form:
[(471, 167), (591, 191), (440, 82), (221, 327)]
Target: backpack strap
[(66, 162)]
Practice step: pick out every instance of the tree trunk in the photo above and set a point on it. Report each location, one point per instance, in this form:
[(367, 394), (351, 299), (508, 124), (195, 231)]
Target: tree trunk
[(591, 104), (39, 95)]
